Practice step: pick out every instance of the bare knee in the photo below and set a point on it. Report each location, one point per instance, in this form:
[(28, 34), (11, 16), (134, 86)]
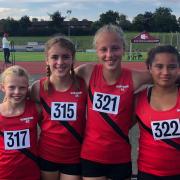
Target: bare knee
[(47, 175)]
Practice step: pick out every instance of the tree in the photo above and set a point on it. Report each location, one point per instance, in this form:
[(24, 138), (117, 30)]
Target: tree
[(85, 20), (164, 21), (74, 20), (109, 17), (124, 23), (24, 24), (143, 22), (34, 19), (148, 21), (57, 20), (10, 25), (137, 23), (95, 26)]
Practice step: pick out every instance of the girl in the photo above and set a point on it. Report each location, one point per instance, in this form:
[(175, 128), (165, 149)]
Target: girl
[(63, 99), (158, 112), (18, 128), (106, 150)]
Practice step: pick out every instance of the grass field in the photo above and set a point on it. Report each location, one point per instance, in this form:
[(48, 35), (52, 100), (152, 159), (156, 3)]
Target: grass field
[(85, 42), (80, 56), (39, 56)]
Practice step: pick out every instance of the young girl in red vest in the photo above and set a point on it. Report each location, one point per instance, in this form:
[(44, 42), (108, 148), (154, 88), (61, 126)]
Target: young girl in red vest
[(63, 99), (106, 151), (18, 128), (158, 114)]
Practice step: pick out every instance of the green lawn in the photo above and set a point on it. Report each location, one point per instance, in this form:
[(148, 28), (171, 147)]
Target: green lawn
[(26, 56), (85, 42), (80, 56), (39, 56)]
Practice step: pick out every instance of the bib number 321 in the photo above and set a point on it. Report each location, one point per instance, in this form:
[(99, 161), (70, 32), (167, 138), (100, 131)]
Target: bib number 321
[(106, 103), (16, 139)]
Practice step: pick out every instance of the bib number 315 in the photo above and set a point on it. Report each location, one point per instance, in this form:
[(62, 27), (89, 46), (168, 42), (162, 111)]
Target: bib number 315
[(107, 103), (63, 111), (16, 139)]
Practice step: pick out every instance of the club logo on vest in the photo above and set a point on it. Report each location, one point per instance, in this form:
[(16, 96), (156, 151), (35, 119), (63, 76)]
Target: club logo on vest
[(76, 93), (122, 87), (27, 119)]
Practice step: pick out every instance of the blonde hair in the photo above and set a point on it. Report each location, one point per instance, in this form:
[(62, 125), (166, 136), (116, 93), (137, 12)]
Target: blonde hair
[(110, 28), (14, 71), (65, 43)]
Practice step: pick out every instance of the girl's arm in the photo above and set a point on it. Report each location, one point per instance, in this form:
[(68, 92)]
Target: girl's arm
[(84, 71), (39, 110), (34, 91), (141, 78)]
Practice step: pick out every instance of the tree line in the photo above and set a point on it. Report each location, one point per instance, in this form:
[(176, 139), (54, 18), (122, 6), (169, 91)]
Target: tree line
[(161, 20)]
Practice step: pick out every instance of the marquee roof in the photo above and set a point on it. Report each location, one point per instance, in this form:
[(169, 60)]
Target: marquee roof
[(145, 37)]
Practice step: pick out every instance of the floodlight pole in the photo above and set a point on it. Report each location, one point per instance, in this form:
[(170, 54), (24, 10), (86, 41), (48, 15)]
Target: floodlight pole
[(69, 27), (177, 40)]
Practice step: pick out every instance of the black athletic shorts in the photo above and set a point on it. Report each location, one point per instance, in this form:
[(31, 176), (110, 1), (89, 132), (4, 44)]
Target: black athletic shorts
[(113, 171), (70, 169), (146, 176)]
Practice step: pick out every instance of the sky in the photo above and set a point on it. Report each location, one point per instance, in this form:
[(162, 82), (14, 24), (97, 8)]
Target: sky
[(82, 9)]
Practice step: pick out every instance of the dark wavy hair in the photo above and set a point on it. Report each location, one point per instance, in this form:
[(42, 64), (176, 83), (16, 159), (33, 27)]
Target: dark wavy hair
[(161, 49)]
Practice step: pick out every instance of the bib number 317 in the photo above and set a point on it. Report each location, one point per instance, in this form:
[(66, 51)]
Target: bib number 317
[(107, 103), (16, 139)]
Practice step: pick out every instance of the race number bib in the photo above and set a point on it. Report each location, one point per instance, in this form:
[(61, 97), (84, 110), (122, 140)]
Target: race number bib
[(107, 103), (63, 111), (16, 139), (166, 129)]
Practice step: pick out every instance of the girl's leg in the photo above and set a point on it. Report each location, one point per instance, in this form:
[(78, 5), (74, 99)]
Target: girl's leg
[(46, 175), (69, 177), (95, 178)]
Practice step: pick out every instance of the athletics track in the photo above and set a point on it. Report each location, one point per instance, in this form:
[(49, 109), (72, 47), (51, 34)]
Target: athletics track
[(38, 67)]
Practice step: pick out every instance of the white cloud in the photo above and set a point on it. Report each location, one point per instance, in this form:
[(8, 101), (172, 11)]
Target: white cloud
[(82, 9), (63, 1), (30, 1), (68, 5), (159, 2), (15, 13), (5, 10)]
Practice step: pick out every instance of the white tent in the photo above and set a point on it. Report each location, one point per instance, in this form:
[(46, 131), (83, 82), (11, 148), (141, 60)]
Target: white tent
[(143, 37)]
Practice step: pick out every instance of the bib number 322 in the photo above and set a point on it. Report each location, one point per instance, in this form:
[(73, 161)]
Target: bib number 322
[(107, 103), (16, 139), (166, 129)]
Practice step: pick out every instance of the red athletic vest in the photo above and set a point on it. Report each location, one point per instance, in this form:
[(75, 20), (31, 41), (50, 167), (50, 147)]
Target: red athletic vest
[(111, 102), (13, 163), (57, 143), (157, 156)]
